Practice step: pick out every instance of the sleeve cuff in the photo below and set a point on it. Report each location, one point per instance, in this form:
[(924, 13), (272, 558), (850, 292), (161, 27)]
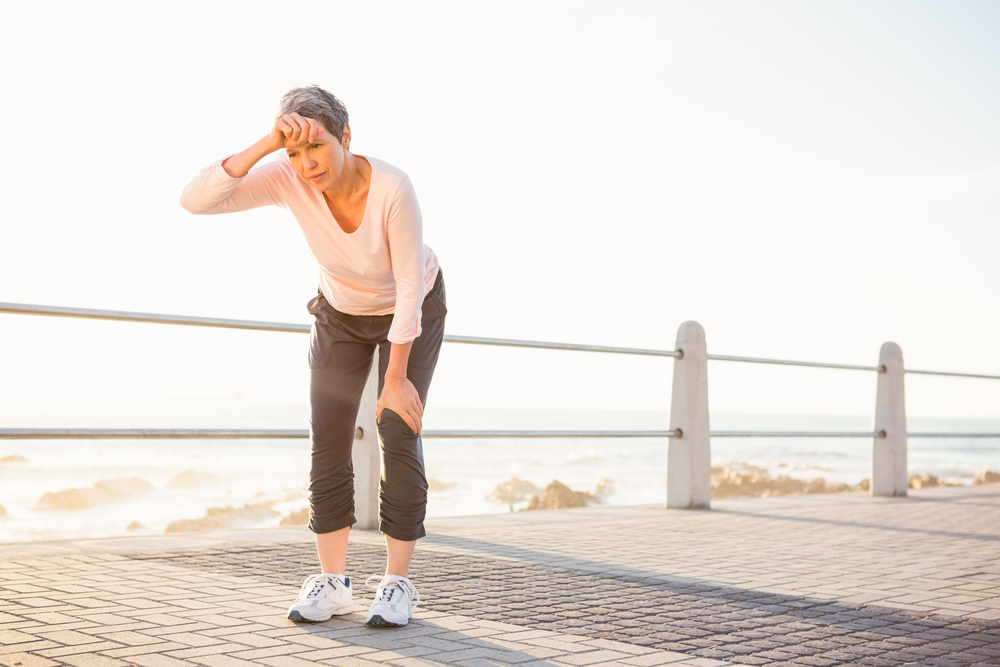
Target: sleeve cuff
[(218, 163)]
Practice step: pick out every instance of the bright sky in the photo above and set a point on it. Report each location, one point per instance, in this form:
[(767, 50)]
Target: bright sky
[(806, 180)]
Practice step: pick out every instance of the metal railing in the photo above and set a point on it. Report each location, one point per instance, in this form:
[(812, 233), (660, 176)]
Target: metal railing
[(688, 453), (253, 325)]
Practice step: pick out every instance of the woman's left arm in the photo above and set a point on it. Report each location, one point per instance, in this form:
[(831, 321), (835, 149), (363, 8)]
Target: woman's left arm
[(404, 231)]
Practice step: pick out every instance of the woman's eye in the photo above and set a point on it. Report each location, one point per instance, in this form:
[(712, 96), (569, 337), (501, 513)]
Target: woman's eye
[(292, 154), (316, 145)]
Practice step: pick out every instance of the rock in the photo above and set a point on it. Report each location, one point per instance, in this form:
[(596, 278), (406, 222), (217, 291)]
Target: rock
[(135, 525), (512, 491), (299, 518), (106, 491), (924, 480), (558, 496), (191, 479), (863, 485), (437, 486), (223, 517), (743, 479), (985, 476), (13, 458)]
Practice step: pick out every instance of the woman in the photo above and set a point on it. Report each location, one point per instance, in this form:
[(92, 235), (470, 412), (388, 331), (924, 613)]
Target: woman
[(380, 287)]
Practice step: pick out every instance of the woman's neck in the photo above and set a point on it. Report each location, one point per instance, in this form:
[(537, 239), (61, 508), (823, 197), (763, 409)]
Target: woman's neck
[(354, 179)]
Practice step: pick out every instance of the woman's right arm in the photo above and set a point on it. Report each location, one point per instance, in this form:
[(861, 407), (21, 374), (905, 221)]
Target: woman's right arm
[(231, 184)]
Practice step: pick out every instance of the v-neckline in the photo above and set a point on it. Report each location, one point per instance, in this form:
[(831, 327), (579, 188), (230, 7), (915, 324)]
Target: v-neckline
[(364, 214)]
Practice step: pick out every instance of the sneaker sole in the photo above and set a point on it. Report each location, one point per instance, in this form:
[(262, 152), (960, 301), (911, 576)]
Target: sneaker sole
[(299, 618), (377, 621)]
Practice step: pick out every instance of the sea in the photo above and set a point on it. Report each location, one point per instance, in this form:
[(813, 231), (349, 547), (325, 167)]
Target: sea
[(264, 481)]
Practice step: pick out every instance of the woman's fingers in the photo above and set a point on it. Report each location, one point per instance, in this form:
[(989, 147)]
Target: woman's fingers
[(298, 125), (418, 411), (284, 126), (291, 126), (412, 421), (297, 129), (403, 399)]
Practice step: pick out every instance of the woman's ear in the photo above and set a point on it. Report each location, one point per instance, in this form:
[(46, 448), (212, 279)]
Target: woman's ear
[(346, 141)]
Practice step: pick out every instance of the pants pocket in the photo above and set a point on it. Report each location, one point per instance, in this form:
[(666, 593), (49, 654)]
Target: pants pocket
[(436, 301), (323, 333)]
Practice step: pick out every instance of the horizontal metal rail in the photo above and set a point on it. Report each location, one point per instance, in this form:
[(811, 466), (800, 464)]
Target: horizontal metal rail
[(552, 434), (151, 318), (146, 433), (562, 346), (798, 434), (849, 367), (187, 320), (954, 375), (271, 434), (783, 362), (953, 435), (247, 434)]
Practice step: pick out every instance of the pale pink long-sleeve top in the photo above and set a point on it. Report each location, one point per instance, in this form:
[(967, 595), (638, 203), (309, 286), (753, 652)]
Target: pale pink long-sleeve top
[(381, 268)]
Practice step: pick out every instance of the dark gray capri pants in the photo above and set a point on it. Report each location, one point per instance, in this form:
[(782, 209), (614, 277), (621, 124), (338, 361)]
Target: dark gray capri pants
[(340, 357)]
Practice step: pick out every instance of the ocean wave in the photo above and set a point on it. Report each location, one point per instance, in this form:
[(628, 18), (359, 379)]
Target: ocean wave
[(585, 459), (299, 518), (805, 466), (105, 491), (437, 486), (192, 479)]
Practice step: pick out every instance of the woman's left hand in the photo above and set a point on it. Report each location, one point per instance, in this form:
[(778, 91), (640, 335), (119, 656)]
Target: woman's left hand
[(401, 397)]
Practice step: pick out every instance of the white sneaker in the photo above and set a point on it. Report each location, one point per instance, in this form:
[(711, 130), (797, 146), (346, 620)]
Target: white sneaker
[(395, 599), (322, 596)]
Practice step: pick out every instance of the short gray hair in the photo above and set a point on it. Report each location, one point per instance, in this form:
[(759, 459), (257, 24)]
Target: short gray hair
[(314, 102)]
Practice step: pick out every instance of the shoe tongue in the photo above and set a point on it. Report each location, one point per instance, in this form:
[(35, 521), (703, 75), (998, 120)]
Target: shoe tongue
[(388, 590), (322, 582)]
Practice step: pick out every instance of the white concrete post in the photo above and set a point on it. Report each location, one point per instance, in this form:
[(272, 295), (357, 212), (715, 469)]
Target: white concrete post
[(366, 456), (889, 473), (689, 460)]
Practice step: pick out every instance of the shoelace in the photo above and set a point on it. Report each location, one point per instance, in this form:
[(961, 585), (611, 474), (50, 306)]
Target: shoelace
[(318, 582), (403, 585)]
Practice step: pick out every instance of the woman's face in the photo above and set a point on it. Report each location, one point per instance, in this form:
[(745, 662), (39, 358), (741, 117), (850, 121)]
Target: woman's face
[(321, 161)]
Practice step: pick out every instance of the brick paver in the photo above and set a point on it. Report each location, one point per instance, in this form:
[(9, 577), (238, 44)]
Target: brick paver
[(832, 580)]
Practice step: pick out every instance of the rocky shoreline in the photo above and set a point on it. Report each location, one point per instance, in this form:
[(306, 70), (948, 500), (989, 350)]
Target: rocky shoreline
[(737, 480)]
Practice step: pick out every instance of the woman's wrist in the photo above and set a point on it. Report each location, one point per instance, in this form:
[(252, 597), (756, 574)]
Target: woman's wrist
[(399, 354), (240, 164)]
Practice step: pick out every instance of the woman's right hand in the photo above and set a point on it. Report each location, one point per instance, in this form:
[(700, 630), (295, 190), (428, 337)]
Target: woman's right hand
[(293, 130), (288, 131)]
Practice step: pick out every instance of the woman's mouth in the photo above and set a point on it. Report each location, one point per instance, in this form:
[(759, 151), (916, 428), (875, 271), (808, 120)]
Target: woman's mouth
[(318, 177)]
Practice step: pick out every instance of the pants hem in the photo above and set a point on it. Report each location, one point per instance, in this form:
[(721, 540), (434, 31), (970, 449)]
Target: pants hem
[(404, 535), (323, 526)]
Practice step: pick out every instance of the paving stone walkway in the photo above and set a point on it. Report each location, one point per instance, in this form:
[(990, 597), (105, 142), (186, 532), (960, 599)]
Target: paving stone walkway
[(821, 580)]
